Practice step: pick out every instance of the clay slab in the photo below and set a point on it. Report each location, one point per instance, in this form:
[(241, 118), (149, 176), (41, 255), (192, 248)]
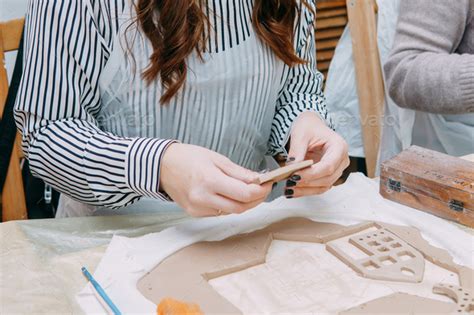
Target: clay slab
[(185, 274), (401, 303)]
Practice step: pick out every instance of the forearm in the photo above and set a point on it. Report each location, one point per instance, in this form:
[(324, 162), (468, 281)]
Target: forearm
[(93, 166), (302, 91), (59, 100), (432, 82), (424, 71)]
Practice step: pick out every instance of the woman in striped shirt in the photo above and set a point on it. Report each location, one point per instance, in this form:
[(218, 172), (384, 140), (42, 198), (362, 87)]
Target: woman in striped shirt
[(179, 99)]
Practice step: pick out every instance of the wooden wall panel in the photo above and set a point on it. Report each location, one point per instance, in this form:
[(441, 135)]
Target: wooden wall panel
[(331, 19)]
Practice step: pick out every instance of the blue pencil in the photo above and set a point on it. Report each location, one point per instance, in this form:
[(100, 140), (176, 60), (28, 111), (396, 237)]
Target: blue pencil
[(101, 291)]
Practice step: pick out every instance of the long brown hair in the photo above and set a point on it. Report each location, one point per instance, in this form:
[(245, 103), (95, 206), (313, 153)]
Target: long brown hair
[(175, 29)]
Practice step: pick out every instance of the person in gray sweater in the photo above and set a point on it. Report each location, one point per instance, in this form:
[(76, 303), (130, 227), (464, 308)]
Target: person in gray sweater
[(431, 66), (430, 77)]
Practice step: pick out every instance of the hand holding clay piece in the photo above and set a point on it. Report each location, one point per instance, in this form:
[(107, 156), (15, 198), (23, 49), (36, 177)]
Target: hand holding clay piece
[(283, 173)]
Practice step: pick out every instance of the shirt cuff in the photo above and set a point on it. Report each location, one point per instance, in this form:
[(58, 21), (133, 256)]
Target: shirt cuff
[(143, 166), (466, 82)]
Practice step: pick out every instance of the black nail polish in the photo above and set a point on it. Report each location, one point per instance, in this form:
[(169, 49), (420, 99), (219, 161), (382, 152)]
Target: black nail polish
[(289, 197), (295, 178), (289, 192), (274, 185), (290, 183)]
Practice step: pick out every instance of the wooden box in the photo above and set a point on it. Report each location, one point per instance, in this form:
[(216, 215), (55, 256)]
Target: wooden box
[(432, 182)]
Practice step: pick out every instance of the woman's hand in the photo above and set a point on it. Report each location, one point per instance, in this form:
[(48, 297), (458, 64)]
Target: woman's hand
[(312, 139), (206, 183)]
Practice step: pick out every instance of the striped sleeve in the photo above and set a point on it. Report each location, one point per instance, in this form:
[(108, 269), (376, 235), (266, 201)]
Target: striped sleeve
[(302, 86), (67, 45)]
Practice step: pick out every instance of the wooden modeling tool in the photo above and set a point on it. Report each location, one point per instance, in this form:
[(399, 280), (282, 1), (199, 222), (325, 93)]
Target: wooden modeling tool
[(283, 172)]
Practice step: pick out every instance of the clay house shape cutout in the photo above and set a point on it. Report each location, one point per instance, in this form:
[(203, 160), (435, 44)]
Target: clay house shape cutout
[(184, 275)]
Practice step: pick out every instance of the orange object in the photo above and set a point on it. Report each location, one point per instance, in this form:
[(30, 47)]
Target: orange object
[(173, 307)]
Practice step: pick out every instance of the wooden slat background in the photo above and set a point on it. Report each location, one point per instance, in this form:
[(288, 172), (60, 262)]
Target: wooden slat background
[(331, 19)]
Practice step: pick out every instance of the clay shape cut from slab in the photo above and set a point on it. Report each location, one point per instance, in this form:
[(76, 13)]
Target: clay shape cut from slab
[(436, 255), (389, 257), (463, 297), (185, 274), (283, 172), (402, 303)]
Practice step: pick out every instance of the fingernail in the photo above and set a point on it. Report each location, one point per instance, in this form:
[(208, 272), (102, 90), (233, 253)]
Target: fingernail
[(289, 192), (290, 183), (289, 197), (274, 185), (290, 159), (295, 178)]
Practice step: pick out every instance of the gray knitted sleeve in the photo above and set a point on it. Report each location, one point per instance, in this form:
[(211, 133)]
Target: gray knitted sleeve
[(425, 71)]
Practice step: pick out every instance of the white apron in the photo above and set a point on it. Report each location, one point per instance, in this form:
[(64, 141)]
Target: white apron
[(227, 105)]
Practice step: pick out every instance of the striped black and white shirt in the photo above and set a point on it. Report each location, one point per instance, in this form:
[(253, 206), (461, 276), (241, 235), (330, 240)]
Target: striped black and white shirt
[(94, 131)]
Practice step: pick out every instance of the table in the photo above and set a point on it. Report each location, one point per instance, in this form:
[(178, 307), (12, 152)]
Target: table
[(40, 260), (37, 254)]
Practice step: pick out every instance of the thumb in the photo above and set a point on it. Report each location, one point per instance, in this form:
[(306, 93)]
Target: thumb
[(298, 147), (236, 171)]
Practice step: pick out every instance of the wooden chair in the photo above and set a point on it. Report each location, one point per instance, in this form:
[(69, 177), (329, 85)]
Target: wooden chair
[(13, 195), (332, 16), (331, 19), (370, 85)]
